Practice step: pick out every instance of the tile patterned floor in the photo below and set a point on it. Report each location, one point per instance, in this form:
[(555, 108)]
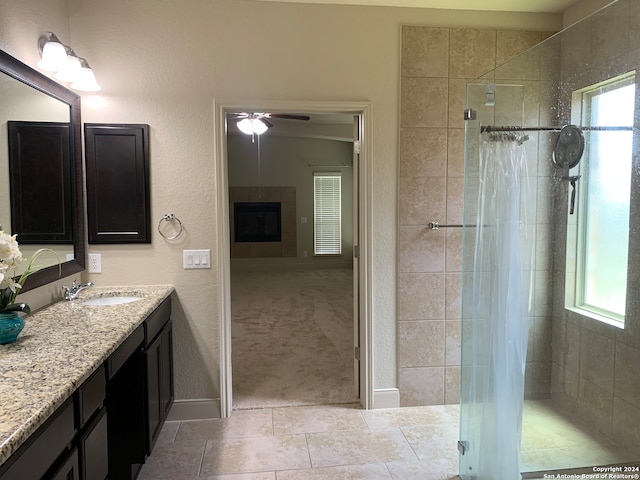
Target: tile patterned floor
[(343, 442), (310, 443)]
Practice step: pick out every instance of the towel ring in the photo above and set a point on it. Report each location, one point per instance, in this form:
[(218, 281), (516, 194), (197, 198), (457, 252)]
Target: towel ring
[(170, 217)]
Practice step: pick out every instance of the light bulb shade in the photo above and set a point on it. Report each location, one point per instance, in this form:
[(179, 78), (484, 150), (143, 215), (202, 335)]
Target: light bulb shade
[(245, 126), (259, 127), (71, 70), (249, 126), (86, 81), (54, 56)]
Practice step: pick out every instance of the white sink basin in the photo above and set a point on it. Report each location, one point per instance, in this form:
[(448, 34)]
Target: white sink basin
[(111, 300)]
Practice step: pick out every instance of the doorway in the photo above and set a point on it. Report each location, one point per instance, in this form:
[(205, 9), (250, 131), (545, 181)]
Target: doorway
[(255, 187)]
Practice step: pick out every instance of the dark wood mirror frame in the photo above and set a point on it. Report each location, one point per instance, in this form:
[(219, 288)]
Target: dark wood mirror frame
[(27, 75)]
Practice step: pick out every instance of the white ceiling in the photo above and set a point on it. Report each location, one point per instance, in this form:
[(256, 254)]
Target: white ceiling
[(545, 6), (325, 126)]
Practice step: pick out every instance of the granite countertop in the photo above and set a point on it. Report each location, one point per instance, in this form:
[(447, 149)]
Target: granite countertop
[(59, 348)]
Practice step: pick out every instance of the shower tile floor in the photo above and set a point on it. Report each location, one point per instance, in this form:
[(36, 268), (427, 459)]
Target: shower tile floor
[(344, 442), (551, 441)]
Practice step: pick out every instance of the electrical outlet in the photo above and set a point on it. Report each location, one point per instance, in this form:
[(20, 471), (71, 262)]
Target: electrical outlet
[(95, 263)]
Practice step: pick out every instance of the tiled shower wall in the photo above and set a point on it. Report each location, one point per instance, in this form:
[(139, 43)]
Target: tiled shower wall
[(437, 63), (596, 371)]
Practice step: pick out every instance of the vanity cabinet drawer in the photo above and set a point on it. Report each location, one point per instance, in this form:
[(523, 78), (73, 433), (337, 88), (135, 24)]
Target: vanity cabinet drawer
[(40, 452), (156, 321), (91, 396), (124, 351)]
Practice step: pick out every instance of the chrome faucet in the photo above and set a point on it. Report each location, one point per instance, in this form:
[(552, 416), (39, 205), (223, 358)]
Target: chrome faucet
[(71, 293)]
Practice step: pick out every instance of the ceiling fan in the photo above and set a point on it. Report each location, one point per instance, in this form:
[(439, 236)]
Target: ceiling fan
[(257, 122)]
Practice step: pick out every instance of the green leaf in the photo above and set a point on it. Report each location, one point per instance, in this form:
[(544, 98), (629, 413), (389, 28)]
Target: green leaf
[(17, 307)]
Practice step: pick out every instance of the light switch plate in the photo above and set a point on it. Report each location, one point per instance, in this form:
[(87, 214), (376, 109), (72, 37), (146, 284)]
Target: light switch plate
[(196, 259)]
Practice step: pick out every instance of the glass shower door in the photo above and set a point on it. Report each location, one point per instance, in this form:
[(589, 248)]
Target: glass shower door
[(492, 385)]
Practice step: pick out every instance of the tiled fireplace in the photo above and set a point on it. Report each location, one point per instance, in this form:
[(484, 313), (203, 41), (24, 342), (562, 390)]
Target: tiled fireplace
[(262, 221)]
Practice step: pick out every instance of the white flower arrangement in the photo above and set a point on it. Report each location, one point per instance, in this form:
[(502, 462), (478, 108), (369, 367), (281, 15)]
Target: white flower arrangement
[(10, 257)]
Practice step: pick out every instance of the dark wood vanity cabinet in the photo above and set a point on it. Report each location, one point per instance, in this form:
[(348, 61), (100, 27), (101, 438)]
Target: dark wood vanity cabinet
[(42, 454), (108, 427), (139, 393), (71, 444)]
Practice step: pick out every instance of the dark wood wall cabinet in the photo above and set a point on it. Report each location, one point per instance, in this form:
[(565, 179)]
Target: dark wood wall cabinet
[(117, 170), (108, 427), (41, 184)]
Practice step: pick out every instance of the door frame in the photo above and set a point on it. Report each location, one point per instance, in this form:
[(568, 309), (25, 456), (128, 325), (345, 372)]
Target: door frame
[(364, 178)]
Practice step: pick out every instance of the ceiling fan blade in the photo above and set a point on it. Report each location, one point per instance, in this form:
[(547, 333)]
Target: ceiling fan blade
[(290, 117), (266, 122)]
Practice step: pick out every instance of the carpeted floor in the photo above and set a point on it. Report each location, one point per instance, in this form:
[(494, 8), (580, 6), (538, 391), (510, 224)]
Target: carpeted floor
[(292, 338)]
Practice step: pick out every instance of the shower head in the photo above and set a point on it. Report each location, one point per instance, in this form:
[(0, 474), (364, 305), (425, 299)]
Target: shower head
[(569, 147)]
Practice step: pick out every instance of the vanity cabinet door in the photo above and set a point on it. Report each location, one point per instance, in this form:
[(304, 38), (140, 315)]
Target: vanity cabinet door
[(93, 444), (159, 373), (69, 470), (117, 170), (166, 371), (154, 417)]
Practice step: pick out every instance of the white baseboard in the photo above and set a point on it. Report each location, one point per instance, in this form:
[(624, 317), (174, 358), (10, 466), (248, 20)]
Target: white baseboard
[(386, 398), (198, 409), (284, 264)]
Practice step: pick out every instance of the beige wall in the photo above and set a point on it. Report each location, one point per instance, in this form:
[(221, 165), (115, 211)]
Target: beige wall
[(164, 63)]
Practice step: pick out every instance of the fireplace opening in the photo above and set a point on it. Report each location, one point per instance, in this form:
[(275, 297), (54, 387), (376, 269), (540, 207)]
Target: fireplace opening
[(257, 222)]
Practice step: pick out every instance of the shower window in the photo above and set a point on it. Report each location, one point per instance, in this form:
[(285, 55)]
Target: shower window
[(602, 220)]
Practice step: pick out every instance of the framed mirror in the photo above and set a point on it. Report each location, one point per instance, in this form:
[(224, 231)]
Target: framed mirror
[(31, 98)]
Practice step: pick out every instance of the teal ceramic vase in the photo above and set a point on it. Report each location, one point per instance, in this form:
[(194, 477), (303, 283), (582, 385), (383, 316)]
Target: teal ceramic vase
[(11, 324)]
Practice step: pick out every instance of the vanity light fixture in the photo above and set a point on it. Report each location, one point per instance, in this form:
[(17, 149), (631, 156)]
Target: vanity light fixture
[(250, 126), (70, 69), (52, 51), (86, 80), (65, 64)]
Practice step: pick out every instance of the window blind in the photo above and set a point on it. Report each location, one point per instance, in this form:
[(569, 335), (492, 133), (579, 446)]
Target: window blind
[(327, 213)]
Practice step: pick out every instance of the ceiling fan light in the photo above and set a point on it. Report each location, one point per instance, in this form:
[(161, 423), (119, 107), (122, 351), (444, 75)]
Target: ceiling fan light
[(251, 126), (245, 126), (259, 127)]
